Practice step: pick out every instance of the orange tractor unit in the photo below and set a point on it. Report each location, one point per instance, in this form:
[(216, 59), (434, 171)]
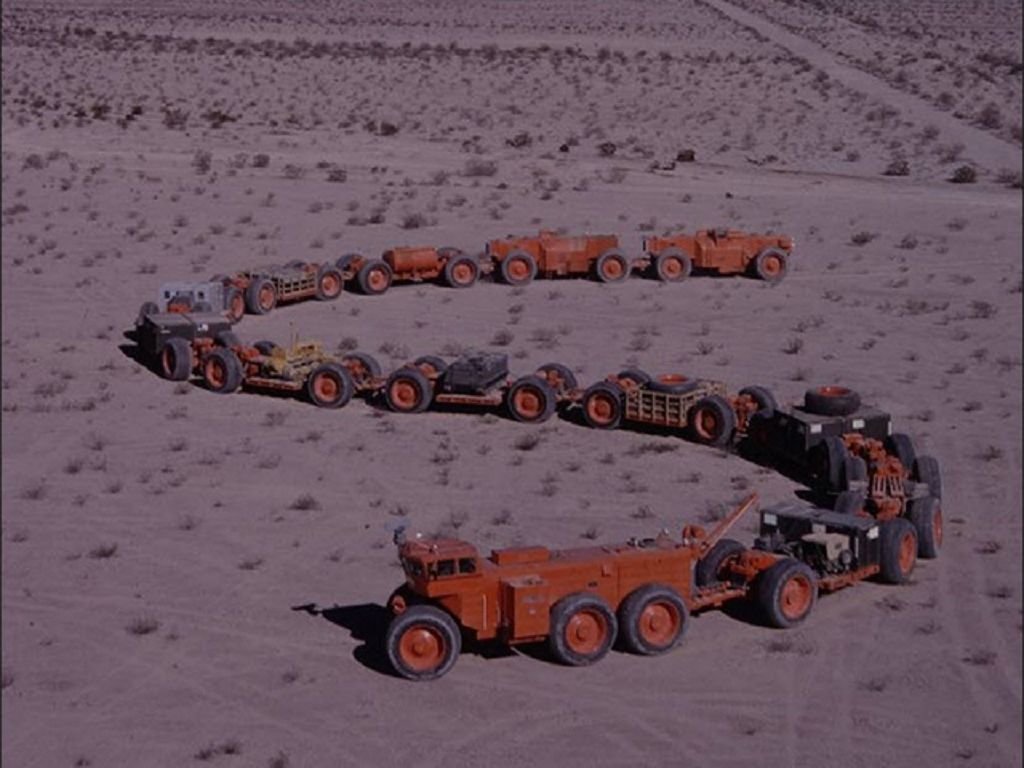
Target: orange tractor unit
[(582, 600), (724, 251), (263, 288), (410, 264), (699, 407), (518, 260)]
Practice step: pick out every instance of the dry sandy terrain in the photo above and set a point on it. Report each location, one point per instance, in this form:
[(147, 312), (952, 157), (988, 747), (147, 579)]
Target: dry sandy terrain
[(157, 537)]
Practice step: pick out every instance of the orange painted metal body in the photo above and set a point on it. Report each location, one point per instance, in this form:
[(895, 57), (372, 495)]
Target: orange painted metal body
[(887, 477), (556, 255), (412, 263), (727, 252), (509, 595)]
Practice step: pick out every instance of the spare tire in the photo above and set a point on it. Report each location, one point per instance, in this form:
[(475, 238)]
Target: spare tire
[(637, 376), (831, 401), (672, 384)]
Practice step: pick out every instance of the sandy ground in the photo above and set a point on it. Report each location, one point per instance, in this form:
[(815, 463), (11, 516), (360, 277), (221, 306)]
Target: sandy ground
[(157, 538)]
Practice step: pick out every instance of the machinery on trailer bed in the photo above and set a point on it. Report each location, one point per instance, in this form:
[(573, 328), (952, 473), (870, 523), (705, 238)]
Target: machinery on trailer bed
[(581, 600), (849, 451), (478, 379), (518, 260), (409, 264), (302, 368), (722, 251), (701, 407)]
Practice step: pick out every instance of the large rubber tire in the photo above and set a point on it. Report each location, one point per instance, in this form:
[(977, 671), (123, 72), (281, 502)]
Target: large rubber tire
[(329, 283), (771, 264), (766, 402), (561, 379), (855, 471), (374, 277), (531, 400), (612, 266), (408, 391), (583, 629), (518, 268), (603, 404), (926, 470), (827, 462), (431, 365), (363, 368), (260, 296), (897, 550), (461, 272), (672, 265), (708, 567), (831, 401), (329, 386), (653, 619), (902, 447), (227, 339), (636, 376), (422, 642), (234, 304), (786, 593), (671, 384), (222, 371), (265, 347), (850, 502), (712, 421), (925, 514), (176, 360)]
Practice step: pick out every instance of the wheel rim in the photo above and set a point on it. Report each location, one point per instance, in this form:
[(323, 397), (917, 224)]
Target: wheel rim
[(518, 269), (612, 269), (237, 307), (326, 387), (168, 360), (937, 527), (404, 394), (796, 596), (422, 648), (528, 402), (602, 408), (462, 273), (907, 552), (216, 372), (330, 285), (377, 280), (771, 265), (586, 632), (706, 423), (671, 268), (659, 623), (266, 298)]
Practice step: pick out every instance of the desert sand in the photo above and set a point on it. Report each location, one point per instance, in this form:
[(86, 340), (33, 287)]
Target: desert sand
[(160, 541)]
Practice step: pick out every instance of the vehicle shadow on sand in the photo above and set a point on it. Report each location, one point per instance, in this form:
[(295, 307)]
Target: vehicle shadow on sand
[(368, 622)]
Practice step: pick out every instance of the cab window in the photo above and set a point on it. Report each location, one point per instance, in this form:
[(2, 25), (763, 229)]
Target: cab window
[(467, 565), (445, 568)]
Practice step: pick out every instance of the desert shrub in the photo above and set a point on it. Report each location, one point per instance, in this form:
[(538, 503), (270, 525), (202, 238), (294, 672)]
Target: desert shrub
[(607, 148), (964, 174), (260, 161), (990, 116), (898, 167), (337, 175), (862, 238), (202, 160), (520, 140), (475, 167)]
